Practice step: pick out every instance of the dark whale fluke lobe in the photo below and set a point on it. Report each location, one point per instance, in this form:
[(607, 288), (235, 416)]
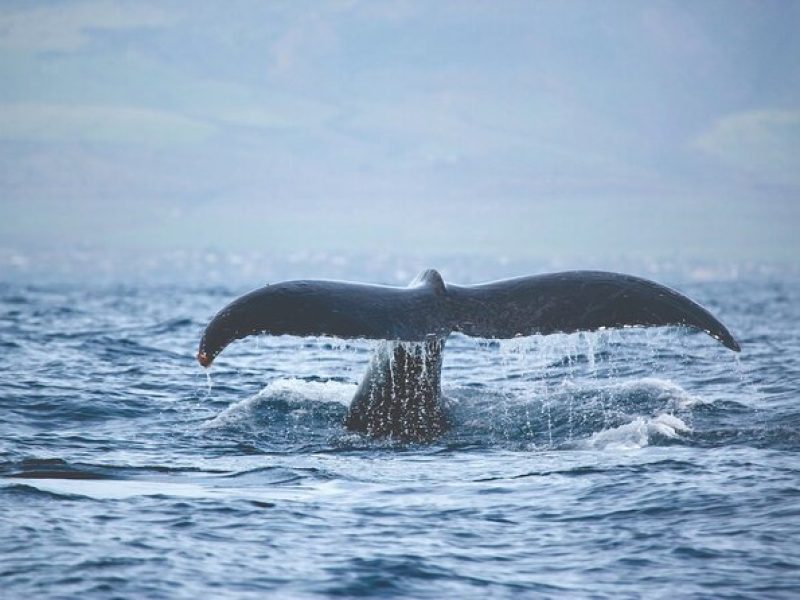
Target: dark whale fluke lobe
[(399, 395)]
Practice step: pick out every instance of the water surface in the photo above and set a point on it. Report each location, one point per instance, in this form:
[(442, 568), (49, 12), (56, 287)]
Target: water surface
[(641, 463)]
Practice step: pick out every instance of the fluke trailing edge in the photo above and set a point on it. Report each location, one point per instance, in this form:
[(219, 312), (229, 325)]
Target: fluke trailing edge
[(399, 396)]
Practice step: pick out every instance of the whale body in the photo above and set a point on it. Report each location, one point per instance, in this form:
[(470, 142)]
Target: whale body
[(400, 394)]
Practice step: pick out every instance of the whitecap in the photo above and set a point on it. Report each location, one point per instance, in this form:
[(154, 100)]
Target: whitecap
[(638, 433)]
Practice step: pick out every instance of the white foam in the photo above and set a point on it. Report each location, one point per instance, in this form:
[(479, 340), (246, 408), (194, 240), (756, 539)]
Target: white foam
[(638, 433), (299, 390)]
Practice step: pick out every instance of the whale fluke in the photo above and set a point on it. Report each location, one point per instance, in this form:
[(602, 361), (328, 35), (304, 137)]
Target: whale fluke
[(399, 396), (576, 301)]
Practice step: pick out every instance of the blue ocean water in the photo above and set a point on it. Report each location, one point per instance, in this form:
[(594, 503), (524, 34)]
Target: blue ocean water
[(621, 464)]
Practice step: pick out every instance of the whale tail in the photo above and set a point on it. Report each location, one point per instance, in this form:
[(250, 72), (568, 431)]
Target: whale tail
[(577, 301), (541, 304), (399, 395)]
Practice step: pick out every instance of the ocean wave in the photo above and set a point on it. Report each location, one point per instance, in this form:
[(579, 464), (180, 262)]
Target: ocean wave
[(293, 403)]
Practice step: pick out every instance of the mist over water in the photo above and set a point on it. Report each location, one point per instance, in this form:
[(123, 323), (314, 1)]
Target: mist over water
[(610, 464)]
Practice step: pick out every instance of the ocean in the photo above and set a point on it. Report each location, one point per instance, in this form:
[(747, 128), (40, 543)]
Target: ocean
[(641, 463)]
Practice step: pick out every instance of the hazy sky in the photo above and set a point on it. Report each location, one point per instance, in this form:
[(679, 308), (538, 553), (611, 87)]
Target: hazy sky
[(491, 127)]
